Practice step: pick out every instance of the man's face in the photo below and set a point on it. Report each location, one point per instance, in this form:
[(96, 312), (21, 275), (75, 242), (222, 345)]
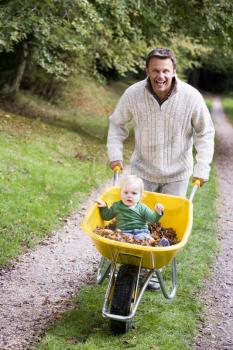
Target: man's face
[(160, 73)]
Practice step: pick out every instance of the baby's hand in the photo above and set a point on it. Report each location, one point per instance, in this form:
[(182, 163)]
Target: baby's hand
[(101, 203), (159, 208)]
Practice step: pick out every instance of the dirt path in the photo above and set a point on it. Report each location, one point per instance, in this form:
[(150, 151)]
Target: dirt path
[(216, 332), (41, 282)]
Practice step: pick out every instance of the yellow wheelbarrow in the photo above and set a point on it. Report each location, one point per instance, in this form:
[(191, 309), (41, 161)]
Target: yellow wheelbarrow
[(130, 267)]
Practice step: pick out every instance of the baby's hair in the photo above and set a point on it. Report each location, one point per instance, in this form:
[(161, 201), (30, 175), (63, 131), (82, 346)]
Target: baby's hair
[(132, 180)]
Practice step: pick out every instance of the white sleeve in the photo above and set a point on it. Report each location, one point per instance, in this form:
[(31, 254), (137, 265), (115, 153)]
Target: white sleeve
[(203, 139), (118, 130)]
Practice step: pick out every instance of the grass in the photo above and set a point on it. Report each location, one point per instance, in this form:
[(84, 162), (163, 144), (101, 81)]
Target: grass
[(158, 324), (45, 173), (228, 107), (48, 164)]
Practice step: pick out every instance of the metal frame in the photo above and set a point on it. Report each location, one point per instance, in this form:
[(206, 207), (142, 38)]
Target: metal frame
[(139, 289), (103, 270), (162, 283)]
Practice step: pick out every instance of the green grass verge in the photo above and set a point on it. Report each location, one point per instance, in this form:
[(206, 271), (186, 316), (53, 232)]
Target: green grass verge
[(49, 163), (45, 173), (228, 107), (158, 324)]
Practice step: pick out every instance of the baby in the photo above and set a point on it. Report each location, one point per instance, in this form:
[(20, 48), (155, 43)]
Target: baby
[(132, 216)]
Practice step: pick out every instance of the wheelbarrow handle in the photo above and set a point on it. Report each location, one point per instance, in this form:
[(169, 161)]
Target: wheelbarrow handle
[(116, 173), (196, 185)]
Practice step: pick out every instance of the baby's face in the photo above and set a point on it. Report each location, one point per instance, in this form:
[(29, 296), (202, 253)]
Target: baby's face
[(130, 195)]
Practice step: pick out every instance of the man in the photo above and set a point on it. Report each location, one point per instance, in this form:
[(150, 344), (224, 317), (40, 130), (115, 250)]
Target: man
[(169, 117)]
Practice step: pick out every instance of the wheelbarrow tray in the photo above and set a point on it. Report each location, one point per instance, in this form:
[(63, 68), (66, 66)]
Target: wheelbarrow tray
[(178, 214)]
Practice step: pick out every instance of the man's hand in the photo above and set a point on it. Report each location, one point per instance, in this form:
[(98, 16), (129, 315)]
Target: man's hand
[(116, 163), (202, 181)]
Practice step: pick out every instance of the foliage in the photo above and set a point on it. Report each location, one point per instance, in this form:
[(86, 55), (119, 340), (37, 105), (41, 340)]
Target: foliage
[(95, 36), (188, 53), (48, 28), (67, 34)]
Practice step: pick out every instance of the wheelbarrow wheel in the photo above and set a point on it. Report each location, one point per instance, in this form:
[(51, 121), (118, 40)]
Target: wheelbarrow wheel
[(123, 297)]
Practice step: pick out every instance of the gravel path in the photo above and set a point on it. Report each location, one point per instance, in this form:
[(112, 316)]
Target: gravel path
[(40, 283), (216, 332)]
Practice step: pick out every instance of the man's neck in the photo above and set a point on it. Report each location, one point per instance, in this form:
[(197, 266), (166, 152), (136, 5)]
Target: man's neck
[(163, 97)]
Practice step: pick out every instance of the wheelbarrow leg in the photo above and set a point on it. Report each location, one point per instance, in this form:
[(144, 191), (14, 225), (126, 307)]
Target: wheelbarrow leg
[(103, 270), (163, 286)]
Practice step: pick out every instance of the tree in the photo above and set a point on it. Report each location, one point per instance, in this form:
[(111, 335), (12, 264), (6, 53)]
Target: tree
[(98, 36), (47, 33)]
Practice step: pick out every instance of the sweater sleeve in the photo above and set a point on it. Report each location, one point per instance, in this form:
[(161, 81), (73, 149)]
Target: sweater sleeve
[(150, 215), (107, 213), (118, 130), (203, 139)]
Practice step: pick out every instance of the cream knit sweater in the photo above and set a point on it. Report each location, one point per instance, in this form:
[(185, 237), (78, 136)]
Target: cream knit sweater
[(164, 135)]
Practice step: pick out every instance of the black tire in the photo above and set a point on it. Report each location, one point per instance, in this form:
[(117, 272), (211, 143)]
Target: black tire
[(122, 298)]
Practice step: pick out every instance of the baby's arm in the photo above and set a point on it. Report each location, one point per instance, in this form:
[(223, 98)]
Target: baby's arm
[(159, 208), (151, 215), (101, 203), (105, 212)]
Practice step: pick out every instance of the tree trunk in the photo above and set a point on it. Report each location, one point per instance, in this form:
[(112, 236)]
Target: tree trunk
[(11, 88), (21, 67)]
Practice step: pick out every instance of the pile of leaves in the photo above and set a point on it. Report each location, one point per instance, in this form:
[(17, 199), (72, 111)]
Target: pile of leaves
[(156, 229)]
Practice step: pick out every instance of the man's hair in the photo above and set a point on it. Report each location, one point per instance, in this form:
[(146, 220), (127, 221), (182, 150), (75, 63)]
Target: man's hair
[(132, 180), (161, 53)]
